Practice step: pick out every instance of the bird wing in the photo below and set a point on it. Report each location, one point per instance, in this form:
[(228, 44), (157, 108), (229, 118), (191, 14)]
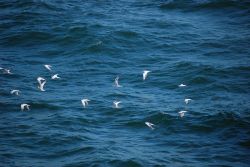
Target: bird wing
[(22, 106), (48, 67), (42, 85), (144, 75), (40, 79), (83, 103), (54, 76)]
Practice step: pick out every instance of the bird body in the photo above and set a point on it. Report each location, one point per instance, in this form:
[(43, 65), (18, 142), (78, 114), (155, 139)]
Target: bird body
[(116, 104), (150, 125), (117, 82), (182, 85), (25, 105), (55, 76), (145, 74), (7, 71), (182, 113), (41, 86), (48, 67), (41, 81), (187, 100), (85, 102), (16, 92)]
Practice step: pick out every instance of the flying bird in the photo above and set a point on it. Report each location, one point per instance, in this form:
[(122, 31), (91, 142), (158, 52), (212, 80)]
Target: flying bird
[(116, 104), (25, 105), (182, 85), (187, 100), (48, 67), (145, 74), (55, 76), (7, 71), (40, 79), (117, 82), (150, 125), (182, 113), (85, 102), (16, 92), (41, 86)]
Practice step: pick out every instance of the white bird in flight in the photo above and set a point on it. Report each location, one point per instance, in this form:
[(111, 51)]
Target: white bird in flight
[(7, 71), (16, 92), (40, 79), (41, 82), (116, 104), (145, 74), (182, 85), (48, 67), (41, 86), (117, 82), (187, 100), (55, 76), (182, 113), (85, 102), (150, 125), (25, 105)]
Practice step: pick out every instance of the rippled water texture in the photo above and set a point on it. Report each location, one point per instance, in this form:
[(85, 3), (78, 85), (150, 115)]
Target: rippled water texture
[(203, 44)]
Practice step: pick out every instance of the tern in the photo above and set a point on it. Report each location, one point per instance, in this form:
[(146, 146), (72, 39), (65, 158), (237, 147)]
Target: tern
[(55, 76), (85, 102), (48, 67), (41, 86), (117, 82), (145, 74), (150, 125), (182, 113), (40, 79), (182, 85), (25, 105), (116, 104), (16, 92), (187, 100), (41, 82), (7, 71)]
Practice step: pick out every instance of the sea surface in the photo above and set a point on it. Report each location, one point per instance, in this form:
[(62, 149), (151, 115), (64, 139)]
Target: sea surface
[(204, 44)]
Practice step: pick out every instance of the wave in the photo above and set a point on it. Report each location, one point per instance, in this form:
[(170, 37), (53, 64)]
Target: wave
[(192, 122), (27, 38), (225, 119), (130, 162), (70, 152), (113, 163), (30, 4), (204, 4), (221, 121), (45, 106), (127, 33), (5, 106)]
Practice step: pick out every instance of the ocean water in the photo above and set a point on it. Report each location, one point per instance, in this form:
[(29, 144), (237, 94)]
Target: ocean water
[(203, 44)]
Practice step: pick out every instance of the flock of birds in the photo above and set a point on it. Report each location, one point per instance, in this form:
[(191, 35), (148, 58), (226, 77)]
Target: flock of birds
[(42, 81)]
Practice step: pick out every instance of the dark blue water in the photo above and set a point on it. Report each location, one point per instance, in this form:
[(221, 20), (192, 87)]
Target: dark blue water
[(203, 44)]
